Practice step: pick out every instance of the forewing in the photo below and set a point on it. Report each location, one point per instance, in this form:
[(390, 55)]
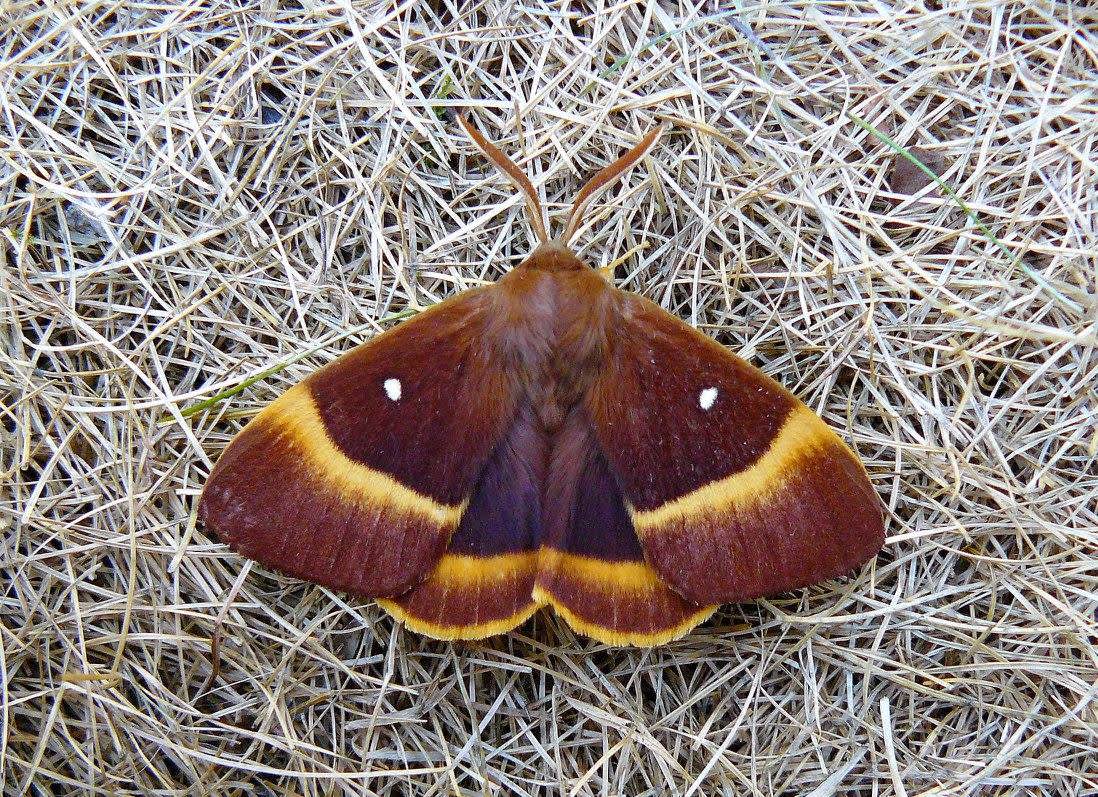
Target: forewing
[(736, 489), (357, 477)]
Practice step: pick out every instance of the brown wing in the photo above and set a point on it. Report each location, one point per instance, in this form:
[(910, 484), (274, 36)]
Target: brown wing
[(357, 477), (482, 585), (736, 489), (591, 569)]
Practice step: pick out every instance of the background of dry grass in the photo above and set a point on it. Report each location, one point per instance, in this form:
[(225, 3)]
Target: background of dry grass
[(191, 194)]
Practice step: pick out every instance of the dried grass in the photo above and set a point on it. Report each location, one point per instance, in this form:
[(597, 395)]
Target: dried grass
[(192, 193)]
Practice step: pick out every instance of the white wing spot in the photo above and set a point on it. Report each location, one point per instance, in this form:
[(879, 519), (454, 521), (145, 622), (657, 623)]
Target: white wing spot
[(707, 397), (392, 389)]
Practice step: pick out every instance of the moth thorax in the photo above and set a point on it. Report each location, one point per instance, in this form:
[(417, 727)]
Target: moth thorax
[(554, 257)]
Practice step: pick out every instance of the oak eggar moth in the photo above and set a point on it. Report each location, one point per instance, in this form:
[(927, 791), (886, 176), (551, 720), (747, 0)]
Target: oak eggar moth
[(549, 440)]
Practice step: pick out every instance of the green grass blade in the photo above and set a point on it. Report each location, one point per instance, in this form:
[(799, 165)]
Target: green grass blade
[(974, 217), (216, 399)]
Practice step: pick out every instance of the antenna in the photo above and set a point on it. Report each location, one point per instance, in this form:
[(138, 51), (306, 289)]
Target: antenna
[(604, 178), (521, 181)]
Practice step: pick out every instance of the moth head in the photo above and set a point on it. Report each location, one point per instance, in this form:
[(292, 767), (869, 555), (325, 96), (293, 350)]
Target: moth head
[(602, 180)]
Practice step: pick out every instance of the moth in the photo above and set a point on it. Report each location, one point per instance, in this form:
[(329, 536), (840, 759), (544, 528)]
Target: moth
[(547, 440)]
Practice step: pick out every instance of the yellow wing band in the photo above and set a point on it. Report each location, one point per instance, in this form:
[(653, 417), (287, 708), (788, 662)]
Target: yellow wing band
[(456, 573), (295, 418), (458, 632), (803, 433), (636, 582), (605, 576), (612, 636)]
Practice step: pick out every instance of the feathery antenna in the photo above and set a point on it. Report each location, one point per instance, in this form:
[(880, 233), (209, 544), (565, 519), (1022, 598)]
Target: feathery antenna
[(604, 178), (521, 181)]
